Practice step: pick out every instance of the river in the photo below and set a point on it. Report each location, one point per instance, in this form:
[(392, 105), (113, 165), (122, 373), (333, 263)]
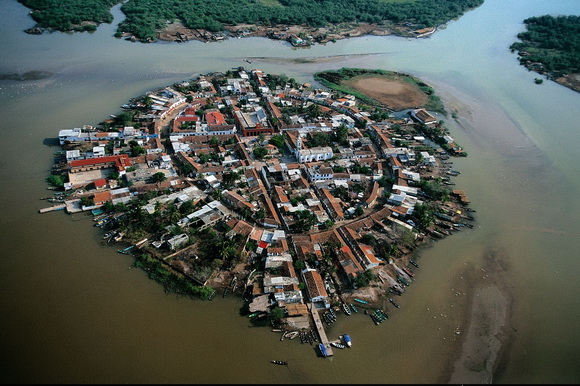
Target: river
[(73, 311)]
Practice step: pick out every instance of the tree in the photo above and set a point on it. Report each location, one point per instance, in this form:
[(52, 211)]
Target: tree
[(55, 180), (277, 314), (277, 140), (159, 177), (260, 152), (342, 134), (137, 150), (313, 110)]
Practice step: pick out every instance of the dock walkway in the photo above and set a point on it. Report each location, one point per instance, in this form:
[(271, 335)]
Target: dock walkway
[(52, 208), (320, 329)]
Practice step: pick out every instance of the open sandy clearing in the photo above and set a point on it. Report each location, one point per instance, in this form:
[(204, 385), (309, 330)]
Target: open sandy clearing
[(395, 94)]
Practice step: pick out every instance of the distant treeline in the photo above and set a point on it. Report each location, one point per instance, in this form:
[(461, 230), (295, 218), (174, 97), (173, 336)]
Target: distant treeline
[(145, 17), (552, 41)]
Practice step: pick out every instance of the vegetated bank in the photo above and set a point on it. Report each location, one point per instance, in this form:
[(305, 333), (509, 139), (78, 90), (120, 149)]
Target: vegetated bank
[(393, 90), (146, 19), (551, 46)]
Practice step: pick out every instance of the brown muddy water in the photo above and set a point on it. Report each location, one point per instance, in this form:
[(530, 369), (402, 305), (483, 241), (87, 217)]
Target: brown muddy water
[(73, 311)]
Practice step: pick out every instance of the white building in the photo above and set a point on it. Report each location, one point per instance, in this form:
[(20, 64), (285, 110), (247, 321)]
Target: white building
[(314, 154)]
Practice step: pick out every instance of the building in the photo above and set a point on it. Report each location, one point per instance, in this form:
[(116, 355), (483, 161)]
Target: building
[(315, 287)]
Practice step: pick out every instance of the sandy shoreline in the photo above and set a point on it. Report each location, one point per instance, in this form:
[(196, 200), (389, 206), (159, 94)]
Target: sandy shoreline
[(488, 324)]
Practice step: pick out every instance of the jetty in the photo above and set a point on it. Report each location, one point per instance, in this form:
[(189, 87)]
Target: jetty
[(320, 328), (52, 208)]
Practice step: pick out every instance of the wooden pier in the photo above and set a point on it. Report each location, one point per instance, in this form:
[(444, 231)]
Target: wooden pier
[(52, 208), (320, 329)]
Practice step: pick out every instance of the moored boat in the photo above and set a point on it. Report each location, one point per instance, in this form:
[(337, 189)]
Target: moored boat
[(346, 309), (353, 307), (282, 363), (361, 301), (394, 303), (347, 340), (408, 271), (337, 345), (322, 350), (414, 263), (292, 335)]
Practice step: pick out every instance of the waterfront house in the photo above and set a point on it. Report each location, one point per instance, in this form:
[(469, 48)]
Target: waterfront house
[(315, 288)]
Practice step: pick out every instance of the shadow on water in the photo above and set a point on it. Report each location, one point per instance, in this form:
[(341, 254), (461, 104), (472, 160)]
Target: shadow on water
[(50, 142)]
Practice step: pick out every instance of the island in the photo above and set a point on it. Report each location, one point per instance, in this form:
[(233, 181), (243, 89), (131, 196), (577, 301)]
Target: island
[(302, 23), (551, 46), (306, 201)]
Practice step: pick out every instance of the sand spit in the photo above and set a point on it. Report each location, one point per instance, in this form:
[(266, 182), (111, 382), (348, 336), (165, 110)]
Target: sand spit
[(488, 324)]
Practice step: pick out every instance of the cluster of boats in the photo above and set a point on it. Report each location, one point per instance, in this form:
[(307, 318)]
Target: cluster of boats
[(305, 336), (113, 236), (395, 290), (402, 280), (259, 315), (378, 316), (343, 342), (329, 316)]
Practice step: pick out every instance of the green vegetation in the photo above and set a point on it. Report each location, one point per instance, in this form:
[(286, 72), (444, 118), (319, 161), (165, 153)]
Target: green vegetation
[(363, 279), (172, 281), (56, 180), (145, 17), (260, 152), (335, 79), (69, 15), (550, 44)]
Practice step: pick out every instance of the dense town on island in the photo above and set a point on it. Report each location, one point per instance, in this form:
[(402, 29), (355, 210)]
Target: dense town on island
[(303, 200)]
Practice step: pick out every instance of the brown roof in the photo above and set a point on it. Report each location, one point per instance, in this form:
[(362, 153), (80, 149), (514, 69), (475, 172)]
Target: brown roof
[(314, 284)]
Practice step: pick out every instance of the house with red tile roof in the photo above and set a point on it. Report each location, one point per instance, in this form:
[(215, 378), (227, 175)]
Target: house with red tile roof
[(215, 117), (332, 205), (315, 288)]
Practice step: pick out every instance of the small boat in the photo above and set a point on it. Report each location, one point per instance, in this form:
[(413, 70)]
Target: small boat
[(347, 340), (408, 272), (292, 335), (414, 263), (346, 309), (281, 363), (254, 314), (353, 307), (212, 295), (393, 303), (126, 251), (261, 316), (337, 345), (277, 330), (313, 335), (361, 301), (323, 350)]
